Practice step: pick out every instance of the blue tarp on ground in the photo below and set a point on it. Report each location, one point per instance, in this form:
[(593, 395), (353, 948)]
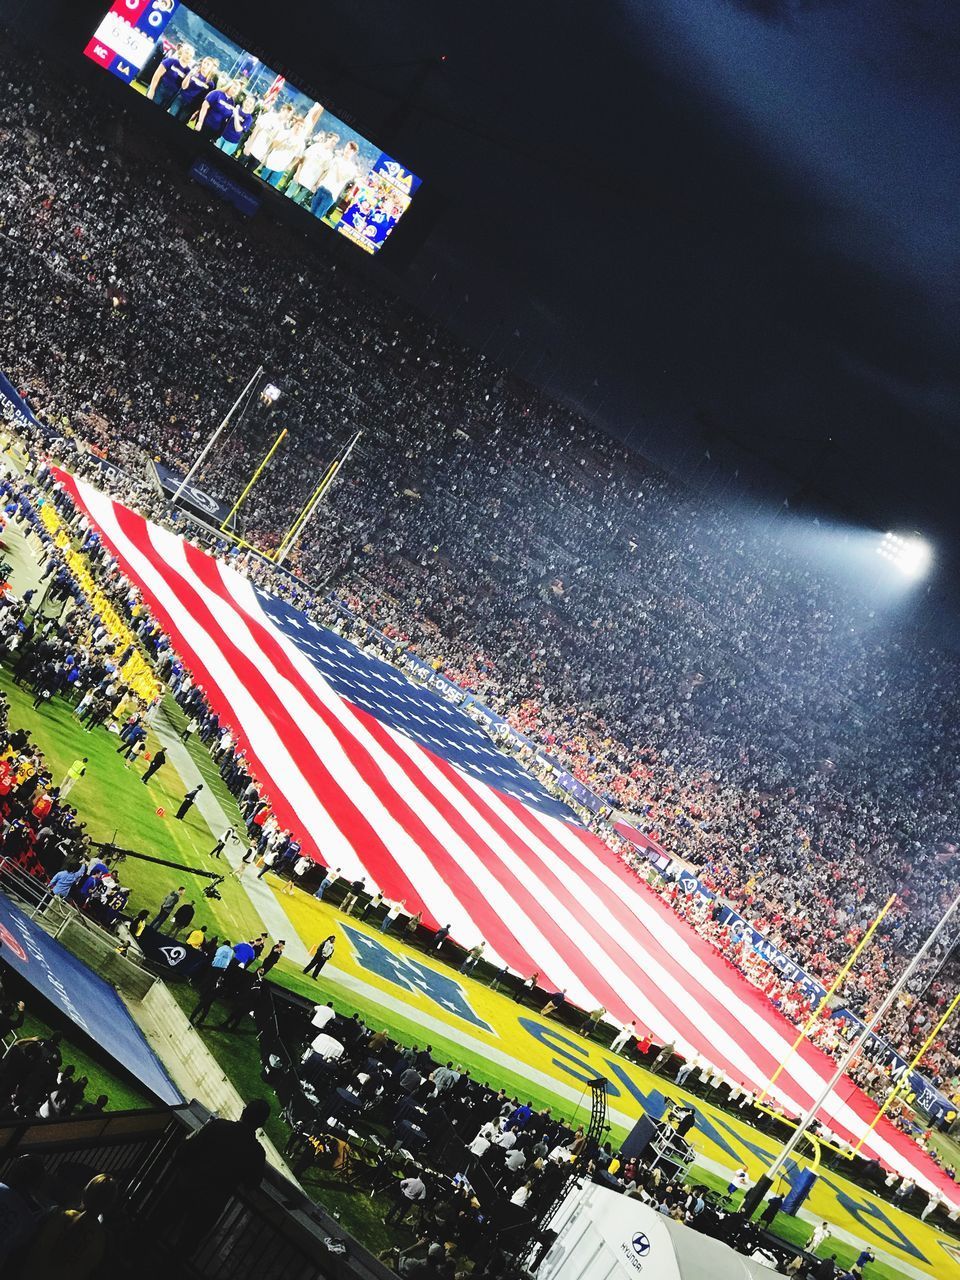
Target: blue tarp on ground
[(89, 1002)]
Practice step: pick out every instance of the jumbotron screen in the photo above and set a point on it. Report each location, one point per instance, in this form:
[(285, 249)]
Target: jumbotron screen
[(254, 116)]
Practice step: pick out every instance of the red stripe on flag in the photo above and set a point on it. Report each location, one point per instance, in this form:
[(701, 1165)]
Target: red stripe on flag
[(614, 949), (380, 862), (491, 924), (655, 951)]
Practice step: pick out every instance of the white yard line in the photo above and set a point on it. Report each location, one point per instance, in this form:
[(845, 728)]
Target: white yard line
[(262, 898)]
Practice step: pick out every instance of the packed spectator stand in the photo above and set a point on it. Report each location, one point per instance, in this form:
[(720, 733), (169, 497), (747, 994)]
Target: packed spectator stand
[(349, 1075), (685, 662), (80, 658)]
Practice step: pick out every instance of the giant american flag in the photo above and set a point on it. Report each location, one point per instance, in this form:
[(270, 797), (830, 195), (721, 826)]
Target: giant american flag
[(385, 780)]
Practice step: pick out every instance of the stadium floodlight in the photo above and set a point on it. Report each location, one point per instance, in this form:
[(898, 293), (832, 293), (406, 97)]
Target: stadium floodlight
[(909, 553), (270, 394)]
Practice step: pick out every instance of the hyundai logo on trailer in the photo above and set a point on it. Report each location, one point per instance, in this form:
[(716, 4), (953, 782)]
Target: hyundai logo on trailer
[(641, 1245)]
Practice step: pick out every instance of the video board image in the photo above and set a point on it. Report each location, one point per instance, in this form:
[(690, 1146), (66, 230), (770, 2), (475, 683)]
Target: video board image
[(255, 117)]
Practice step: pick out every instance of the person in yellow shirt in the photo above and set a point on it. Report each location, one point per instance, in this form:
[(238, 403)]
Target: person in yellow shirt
[(73, 776), (197, 937), (72, 1244)]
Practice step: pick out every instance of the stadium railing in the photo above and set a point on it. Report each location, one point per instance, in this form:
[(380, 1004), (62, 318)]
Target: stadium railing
[(82, 936), (272, 1232), (117, 1142)]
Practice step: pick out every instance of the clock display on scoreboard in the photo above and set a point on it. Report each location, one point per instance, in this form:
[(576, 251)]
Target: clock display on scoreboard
[(254, 117)]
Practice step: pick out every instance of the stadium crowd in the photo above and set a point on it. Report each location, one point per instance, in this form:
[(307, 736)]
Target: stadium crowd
[(756, 718), (75, 656), (35, 1080)]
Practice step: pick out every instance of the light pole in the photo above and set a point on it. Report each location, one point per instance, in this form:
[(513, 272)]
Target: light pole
[(764, 1183), (216, 435)]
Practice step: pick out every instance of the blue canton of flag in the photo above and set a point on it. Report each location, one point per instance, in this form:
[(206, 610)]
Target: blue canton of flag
[(417, 712)]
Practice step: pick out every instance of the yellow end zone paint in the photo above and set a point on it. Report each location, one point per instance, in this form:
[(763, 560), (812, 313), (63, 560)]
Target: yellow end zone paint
[(489, 1024)]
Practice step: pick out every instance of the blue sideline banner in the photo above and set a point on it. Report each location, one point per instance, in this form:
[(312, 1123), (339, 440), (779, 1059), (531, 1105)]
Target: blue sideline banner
[(214, 179), (16, 407), (76, 991), (193, 499), (111, 473), (741, 930)]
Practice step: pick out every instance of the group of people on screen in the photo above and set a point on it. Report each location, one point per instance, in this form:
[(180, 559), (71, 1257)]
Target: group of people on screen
[(279, 144)]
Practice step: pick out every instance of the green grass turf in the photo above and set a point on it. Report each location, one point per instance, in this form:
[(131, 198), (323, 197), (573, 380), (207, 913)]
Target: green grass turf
[(115, 806), (359, 1212), (201, 757), (948, 1147)]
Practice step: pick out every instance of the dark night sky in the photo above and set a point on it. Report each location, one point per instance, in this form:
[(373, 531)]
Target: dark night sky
[(716, 225)]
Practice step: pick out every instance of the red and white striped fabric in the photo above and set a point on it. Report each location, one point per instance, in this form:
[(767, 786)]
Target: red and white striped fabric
[(373, 800)]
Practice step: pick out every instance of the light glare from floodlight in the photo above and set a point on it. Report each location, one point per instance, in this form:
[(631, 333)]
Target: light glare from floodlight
[(910, 554), (270, 394)]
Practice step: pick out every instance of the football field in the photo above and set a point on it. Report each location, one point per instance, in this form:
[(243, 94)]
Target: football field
[(423, 1001), (426, 1002)]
